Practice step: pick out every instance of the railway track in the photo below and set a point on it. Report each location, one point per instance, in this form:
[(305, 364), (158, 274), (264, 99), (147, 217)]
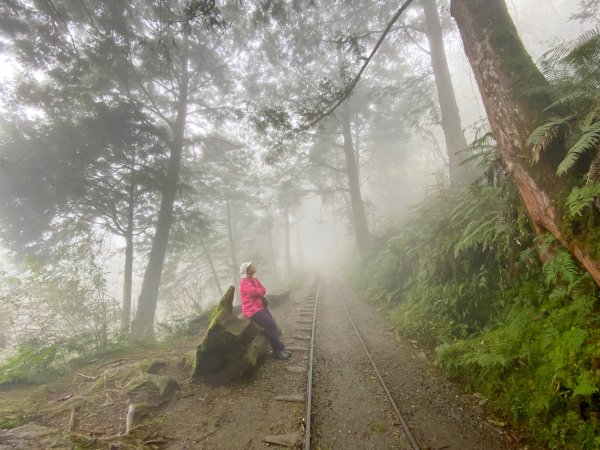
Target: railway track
[(312, 306)]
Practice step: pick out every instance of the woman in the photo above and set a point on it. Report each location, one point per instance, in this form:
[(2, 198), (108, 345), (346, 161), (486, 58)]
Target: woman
[(252, 293)]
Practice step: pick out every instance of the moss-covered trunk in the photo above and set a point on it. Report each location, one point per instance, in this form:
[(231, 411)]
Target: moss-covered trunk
[(511, 89)]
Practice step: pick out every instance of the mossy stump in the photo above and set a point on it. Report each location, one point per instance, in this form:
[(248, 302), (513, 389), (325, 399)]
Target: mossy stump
[(231, 348)]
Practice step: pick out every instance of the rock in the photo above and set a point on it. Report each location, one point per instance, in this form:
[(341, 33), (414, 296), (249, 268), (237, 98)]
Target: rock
[(256, 350), (230, 348), (296, 369), (166, 386), (287, 440), (157, 366), (32, 436), (422, 356), (142, 412)]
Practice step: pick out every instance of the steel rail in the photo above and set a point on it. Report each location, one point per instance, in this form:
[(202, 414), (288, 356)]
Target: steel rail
[(310, 372), (407, 431)]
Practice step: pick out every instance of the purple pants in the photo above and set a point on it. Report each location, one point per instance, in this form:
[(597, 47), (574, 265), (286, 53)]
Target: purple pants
[(265, 320)]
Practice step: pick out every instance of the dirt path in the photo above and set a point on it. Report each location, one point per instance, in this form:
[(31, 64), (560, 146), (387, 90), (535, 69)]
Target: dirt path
[(350, 409), (439, 416)]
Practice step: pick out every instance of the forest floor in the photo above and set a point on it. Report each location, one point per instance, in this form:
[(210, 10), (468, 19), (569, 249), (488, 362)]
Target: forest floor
[(350, 408)]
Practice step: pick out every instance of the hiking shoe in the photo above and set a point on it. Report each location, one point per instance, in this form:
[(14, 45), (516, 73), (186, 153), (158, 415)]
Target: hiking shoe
[(287, 351), (282, 355)]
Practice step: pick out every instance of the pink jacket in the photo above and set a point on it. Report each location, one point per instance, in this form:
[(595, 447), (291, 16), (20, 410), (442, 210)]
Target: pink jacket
[(251, 294)]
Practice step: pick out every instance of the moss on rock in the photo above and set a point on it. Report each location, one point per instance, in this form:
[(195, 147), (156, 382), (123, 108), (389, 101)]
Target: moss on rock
[(229, 349)]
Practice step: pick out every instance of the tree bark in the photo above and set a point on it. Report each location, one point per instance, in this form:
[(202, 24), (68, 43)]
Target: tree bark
[(128, 273), (288, 248), (453, 133), (359, 217), (506, 75), (234, 259), (212, 268), (128, 270), (143, 324), (272, 248)]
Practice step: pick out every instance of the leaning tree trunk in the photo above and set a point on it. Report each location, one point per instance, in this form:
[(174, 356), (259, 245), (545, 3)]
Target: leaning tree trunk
[(453, 133), (506, 75), (143, 324), (359, 218)]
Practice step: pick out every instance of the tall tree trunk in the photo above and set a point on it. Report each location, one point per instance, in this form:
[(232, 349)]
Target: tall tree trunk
[(234, 260), (143, 324), (212, 267), (506, 75), (128, 272), (453, 133), (359, 217), (299, 248), (288, 244), (127, 281), (272, 247)]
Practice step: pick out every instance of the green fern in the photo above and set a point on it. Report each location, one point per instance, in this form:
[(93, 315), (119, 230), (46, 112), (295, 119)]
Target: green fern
[(490, 360), (586, 385), (561, 265), (588, 141), (574, 338), (580, 198), (582, 304), (544, 135)]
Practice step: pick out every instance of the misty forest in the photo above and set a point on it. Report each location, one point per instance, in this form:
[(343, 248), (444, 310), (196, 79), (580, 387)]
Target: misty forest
[(423, 174)]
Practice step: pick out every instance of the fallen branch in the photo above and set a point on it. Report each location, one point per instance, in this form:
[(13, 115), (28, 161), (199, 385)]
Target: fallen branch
[(120, 361), (87, 377), (72, 420), (129, 419), (66, 397), (207, 435)]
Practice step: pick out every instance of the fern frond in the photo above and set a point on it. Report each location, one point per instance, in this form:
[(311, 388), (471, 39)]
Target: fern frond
[(573, 96), (545, 242), (589, 139), (587, 384), (574, 338), (542, 136), (586, 387), (488, 360), (527, 255), (580, 198), (560, 265), (582, 304), (585, 49), (593, 175)]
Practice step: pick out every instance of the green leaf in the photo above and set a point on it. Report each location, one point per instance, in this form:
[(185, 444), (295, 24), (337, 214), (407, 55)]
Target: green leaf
[(586, 385), (580, 198), (589, 139)]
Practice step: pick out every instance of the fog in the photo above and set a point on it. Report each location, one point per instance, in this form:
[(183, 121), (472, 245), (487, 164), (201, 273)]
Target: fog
[(291, 211)]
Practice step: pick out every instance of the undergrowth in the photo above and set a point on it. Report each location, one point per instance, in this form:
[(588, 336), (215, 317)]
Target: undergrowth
[(464, 274)]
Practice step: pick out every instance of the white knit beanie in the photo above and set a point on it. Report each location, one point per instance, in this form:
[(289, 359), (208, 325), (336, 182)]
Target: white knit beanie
[(243, 269)]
